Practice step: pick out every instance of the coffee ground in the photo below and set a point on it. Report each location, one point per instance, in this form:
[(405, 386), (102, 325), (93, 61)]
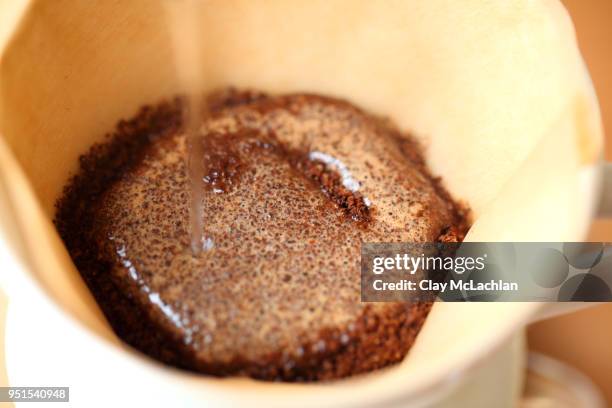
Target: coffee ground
[(294, 184)]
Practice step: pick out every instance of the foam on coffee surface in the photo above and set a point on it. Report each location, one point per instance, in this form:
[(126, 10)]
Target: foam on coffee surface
[(293, 185)]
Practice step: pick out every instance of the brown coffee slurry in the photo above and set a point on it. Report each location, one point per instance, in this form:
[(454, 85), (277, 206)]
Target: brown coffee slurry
[(293, 185)]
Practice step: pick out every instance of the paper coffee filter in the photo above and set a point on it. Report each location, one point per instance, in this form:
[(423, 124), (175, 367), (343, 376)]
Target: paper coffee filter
[(496, 91)]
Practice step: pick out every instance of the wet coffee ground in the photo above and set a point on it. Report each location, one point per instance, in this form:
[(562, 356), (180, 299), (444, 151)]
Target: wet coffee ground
[(293, 185)]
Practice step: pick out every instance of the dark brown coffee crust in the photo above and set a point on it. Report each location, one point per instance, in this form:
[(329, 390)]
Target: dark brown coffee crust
[(352, 203), (95, 225)]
